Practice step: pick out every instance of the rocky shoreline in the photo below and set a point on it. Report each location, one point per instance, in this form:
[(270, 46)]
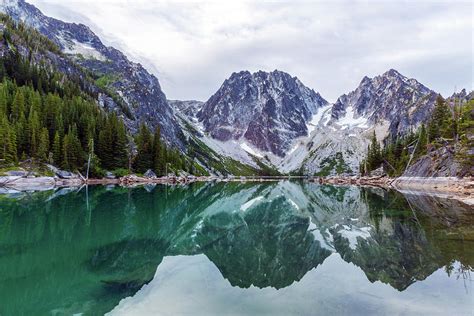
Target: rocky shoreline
[(450, 187)]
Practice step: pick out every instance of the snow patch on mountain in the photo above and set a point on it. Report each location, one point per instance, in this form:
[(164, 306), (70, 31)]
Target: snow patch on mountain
[(74, 47), (317, 118), (251, 151), (350, 120)]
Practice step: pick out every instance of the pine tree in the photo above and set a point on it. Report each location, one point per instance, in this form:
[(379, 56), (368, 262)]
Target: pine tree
[(22, 135), (57, 152), (33, 132), (466, 135), (120, 144), (18, 106), (105, 147), (3, 135), (439, 125), (73, 156), (3, 98), (374, 154), (144, 158), (43, 146), (158, 158), (65, 152), (422, 142), (11, 155)]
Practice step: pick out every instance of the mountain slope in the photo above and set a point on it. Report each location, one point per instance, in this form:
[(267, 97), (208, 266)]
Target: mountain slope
[(267, 110), (216, 157), (128, 82)]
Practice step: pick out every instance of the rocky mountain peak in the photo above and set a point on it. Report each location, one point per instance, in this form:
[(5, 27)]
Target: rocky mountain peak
[(392, 97), (266, 109), (392, 73)]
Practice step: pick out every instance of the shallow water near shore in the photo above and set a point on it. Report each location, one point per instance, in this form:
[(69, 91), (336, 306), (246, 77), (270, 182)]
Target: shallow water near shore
[(280, 248)]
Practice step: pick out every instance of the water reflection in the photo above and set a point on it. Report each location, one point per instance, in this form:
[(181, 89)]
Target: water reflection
[(68, 252)]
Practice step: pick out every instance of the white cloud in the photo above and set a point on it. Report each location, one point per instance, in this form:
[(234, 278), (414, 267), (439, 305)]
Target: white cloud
[(330, 45)]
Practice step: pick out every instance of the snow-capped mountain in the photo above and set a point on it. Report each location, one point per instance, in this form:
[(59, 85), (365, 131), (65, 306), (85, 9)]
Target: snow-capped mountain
[(129, 83), (390, 104), (392, 97), (266, 110)]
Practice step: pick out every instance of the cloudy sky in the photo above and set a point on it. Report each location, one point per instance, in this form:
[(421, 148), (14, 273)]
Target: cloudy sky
[(193, 46)]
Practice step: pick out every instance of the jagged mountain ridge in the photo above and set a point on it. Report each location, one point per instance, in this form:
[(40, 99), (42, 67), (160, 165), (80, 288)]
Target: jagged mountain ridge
[(389, 104), (402, 101), (126, 80), (267, 109), (328, 138)]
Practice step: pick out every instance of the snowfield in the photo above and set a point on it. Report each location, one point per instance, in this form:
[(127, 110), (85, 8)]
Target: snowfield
[(350, 121)]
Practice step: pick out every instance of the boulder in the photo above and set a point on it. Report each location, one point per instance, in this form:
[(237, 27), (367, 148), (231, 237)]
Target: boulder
[(377, 172), (109, 175), (52, 168), (149, 174), (62, 174), (17, 173)]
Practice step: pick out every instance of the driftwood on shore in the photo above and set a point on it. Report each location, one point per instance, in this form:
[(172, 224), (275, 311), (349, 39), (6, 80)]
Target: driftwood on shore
[(381, 181)]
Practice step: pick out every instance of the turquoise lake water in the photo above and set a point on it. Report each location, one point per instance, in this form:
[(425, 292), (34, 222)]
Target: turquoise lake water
[(272, 248)]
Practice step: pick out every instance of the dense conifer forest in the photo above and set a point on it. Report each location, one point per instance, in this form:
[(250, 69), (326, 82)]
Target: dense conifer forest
[(50, 117)]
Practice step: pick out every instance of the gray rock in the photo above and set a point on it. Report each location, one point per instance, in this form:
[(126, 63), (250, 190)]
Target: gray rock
[(438, 163), (109, 175), (62, 174), (377, 172), (52, 168), (149, 174), (17, 173)]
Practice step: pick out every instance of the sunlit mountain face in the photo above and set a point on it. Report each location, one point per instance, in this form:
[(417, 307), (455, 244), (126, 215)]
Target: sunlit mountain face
[(95, 250)]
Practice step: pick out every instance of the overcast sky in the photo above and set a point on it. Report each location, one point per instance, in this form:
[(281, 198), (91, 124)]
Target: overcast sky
[(193, 46)]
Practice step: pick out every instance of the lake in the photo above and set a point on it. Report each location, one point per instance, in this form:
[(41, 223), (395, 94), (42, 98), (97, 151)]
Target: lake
[(276, 248)]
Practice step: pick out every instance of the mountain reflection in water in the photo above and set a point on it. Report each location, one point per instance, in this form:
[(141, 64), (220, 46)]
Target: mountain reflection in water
[(83, 251)]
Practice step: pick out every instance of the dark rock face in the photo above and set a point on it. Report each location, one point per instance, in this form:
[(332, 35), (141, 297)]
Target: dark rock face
[(129, 81), (403, 102), (269, 110)]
